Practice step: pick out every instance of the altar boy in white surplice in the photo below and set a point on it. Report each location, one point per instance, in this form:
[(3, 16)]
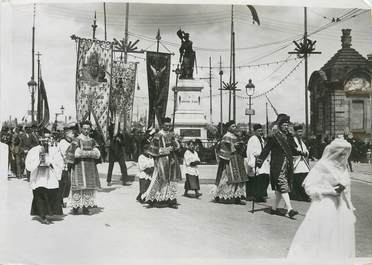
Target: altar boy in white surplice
[(259, 178)]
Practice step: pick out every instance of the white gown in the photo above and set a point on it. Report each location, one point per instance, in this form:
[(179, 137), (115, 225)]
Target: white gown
[(327, 232)]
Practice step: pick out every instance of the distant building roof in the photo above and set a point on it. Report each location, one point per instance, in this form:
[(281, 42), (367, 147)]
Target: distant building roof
[(344, 60)]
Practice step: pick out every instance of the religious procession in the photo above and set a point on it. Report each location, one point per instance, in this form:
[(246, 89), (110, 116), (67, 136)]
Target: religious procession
[(119, 161)]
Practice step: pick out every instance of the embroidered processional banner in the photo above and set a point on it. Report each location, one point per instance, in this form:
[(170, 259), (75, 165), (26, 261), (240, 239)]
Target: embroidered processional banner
[(158, 73), (93, 82), (122, 94)]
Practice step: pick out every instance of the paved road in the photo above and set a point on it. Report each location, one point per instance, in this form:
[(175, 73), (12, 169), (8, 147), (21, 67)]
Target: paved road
[(123, 229)]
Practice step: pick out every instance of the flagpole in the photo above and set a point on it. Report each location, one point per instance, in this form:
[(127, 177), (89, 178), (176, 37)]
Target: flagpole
[(158, 38), (104, 18), (267, 121), (126, 33), (33, 68), (39, 102)]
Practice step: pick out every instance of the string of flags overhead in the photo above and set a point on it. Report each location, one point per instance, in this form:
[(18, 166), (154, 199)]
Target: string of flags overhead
[(236, 67), (277, 84)]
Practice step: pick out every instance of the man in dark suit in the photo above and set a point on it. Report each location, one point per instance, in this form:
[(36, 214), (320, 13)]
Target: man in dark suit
[(116, 154), (282, 148), (27, 142)]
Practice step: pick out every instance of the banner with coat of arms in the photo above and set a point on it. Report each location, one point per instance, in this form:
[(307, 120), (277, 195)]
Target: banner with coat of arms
[(123, 88), (93, 82)]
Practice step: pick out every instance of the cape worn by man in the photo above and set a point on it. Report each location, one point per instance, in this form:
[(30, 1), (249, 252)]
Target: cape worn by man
[(231, 174), (84, 177), (167, 171)]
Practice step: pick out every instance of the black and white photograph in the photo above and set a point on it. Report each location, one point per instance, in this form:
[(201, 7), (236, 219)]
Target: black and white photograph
[(185, 132)]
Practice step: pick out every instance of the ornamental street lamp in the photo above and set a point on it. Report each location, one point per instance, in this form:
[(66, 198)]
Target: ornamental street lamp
[(249, 90), (32, 88), (57, 114)]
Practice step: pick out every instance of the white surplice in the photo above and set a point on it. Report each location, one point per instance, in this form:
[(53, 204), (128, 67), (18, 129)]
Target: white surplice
[(254, 149)]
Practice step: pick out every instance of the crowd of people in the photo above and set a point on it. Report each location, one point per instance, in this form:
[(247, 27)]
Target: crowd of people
[(64, 172)]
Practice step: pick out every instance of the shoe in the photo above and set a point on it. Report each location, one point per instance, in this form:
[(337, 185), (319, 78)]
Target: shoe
[(239, 202), (173, 206), (109, 184), (75, 211), (85, 210), (292, 213), (276, 212), (45, 221), (198, 194)]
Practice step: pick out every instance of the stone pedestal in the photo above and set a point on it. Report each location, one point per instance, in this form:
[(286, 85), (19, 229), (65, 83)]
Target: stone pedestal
[(190, 119)]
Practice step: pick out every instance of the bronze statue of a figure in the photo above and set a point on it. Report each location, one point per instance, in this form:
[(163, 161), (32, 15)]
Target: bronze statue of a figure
[(187, 55)]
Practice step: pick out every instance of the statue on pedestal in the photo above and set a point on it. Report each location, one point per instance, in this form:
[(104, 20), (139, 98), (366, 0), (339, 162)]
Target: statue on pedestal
[(187, 55)]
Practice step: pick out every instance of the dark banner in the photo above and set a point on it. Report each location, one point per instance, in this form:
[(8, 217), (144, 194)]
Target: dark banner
[(43, 115), (158, 73)]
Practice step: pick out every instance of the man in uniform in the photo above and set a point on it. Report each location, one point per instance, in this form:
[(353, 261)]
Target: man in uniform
[(282, 148)]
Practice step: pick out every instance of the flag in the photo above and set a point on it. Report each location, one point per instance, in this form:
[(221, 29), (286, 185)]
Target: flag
[(158, 73), (122, 94), (43, 114), (254, 14), (93, 82)]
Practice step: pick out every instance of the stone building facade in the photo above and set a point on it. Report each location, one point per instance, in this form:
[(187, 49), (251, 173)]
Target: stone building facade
[(341, 94)]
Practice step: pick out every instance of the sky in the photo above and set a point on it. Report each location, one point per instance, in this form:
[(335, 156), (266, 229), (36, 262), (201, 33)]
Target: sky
[(209, 28)]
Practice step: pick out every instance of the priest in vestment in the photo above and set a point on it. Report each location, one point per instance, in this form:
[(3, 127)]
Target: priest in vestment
[(84, 177), (167, 171), (231, 174)]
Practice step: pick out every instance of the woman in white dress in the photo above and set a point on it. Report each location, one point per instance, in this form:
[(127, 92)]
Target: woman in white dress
[(327, 232)]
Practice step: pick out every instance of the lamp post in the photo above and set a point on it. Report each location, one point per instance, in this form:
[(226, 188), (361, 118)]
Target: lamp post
[(249, 90), (57, 114), (32, 88), (221, 124)]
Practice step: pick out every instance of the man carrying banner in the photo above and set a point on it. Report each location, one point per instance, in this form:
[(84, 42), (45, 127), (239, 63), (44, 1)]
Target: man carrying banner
[(300, 167), (282, 148), (167, 171), (231, 174), (116, 154)]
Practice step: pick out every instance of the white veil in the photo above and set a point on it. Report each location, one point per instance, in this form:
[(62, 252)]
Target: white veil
[(330, 170)]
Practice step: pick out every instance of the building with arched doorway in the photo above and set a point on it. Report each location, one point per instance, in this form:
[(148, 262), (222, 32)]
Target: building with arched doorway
[(341, 94)]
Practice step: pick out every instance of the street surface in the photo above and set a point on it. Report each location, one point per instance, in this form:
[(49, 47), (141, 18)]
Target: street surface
[(122, 229)]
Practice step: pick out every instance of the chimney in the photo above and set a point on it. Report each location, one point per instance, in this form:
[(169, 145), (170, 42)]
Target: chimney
[(346, 38), (369, 62)]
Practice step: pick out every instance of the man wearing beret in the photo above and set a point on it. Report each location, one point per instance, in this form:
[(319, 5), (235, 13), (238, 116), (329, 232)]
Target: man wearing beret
[(300, 166), (258, 177), (282, 148)]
